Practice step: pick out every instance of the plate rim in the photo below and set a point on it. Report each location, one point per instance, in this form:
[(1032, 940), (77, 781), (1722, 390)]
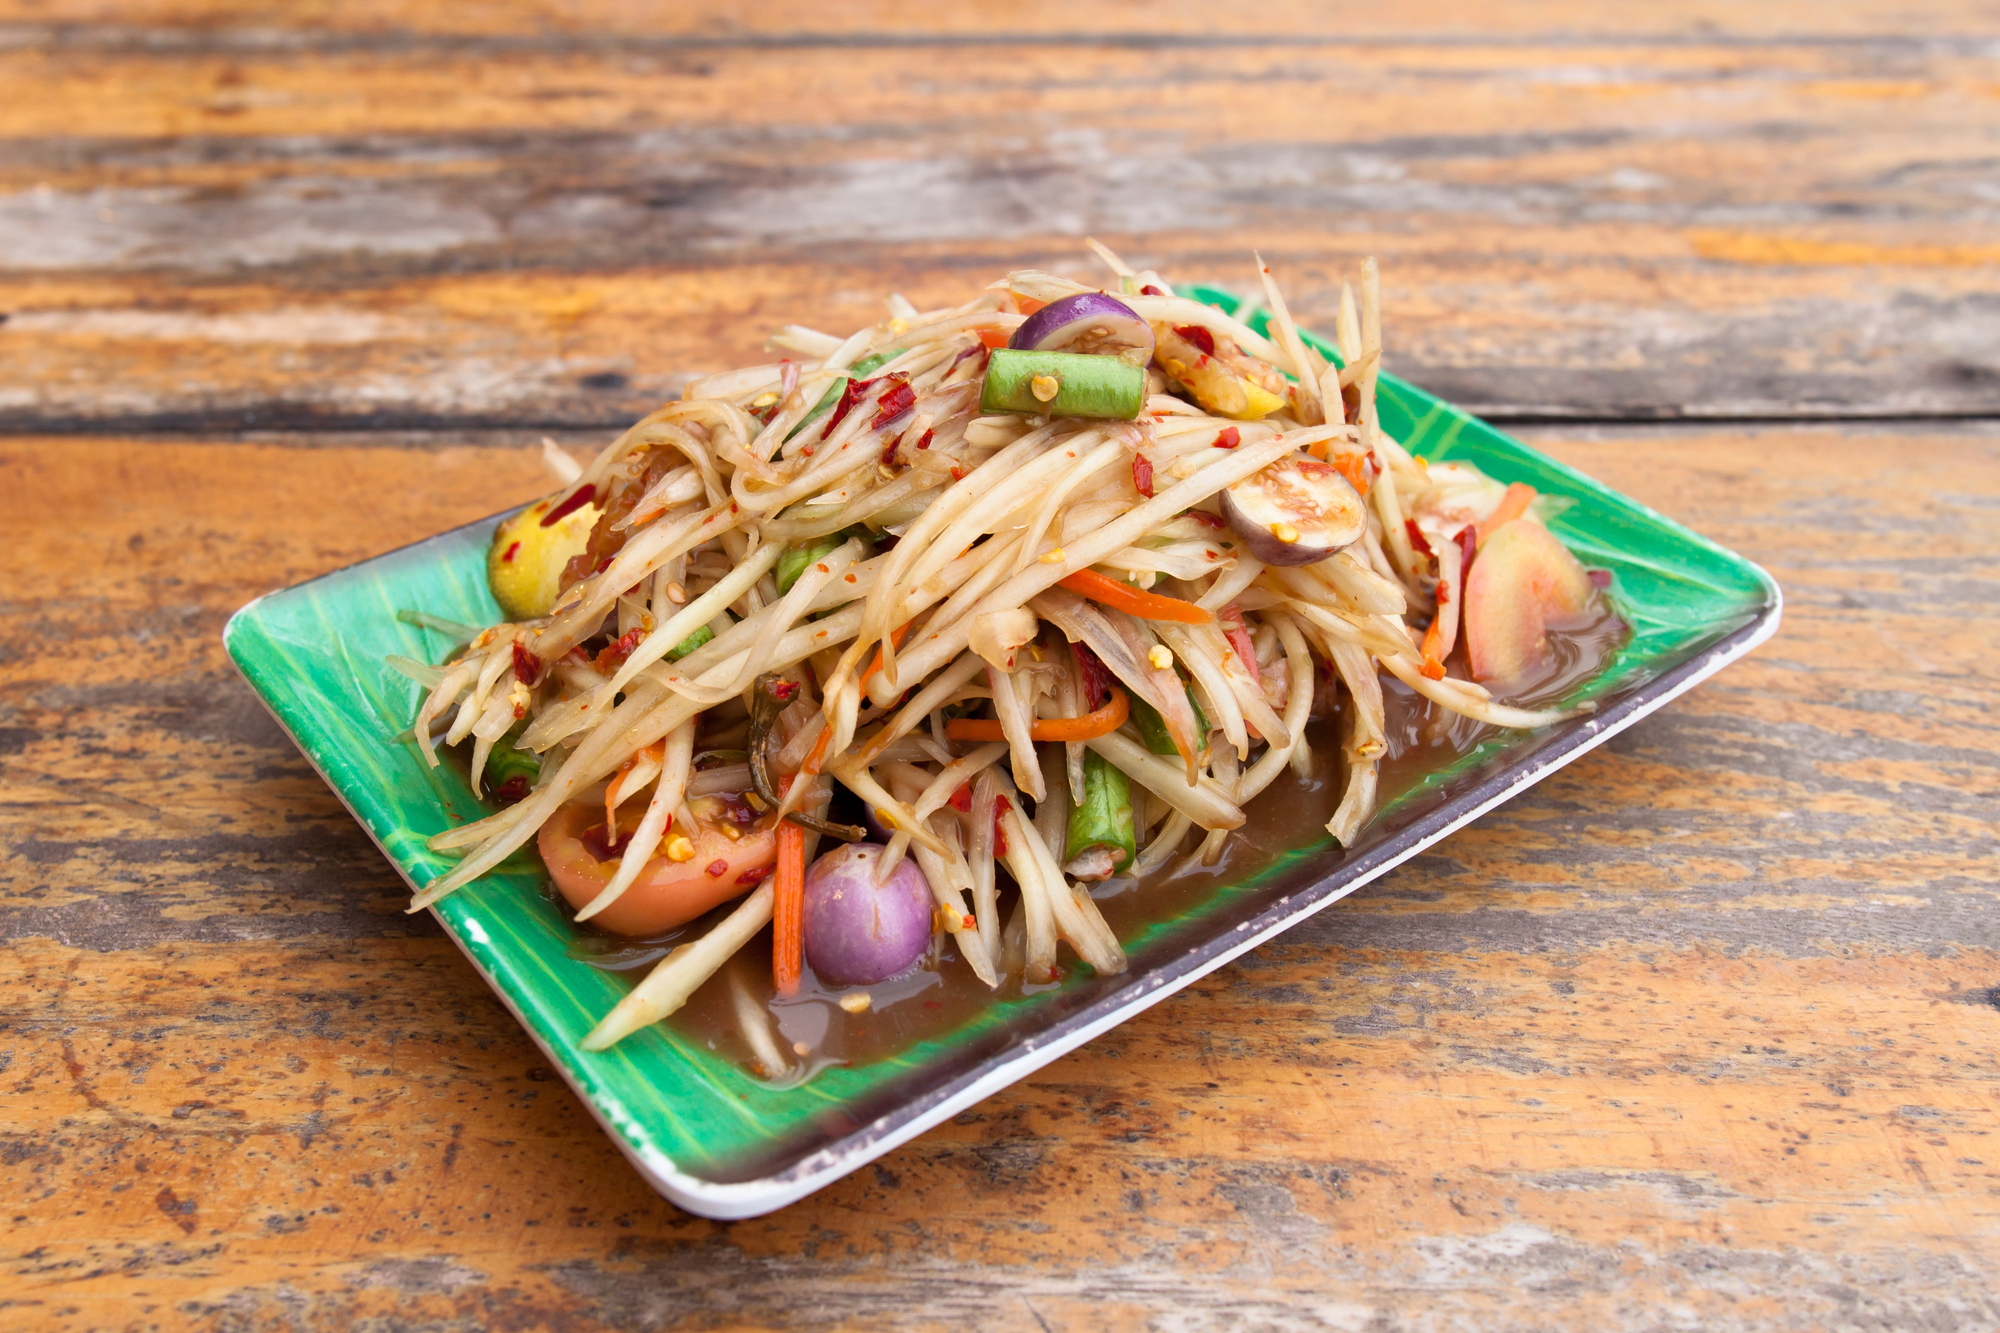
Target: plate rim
[(737, 1200)]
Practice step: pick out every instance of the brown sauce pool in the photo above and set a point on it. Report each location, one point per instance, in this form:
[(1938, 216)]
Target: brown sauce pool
[(738, 1015)]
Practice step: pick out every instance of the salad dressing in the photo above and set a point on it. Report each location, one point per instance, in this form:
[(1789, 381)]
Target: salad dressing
[(812, 1030)]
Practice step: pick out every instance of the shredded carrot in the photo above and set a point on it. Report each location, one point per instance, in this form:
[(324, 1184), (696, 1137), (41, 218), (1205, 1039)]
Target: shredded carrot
[(788, 907), (1124, 597), (993, 338), (1091, 725), (896, 637), (1354, 467), (1512, 505), (817, 754), (1433, 668)]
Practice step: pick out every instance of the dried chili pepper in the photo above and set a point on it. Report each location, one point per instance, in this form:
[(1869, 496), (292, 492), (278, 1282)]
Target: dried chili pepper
[(580, 497), (1198, 335)]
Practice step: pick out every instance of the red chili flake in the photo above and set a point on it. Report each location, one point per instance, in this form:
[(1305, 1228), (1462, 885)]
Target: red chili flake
[(613, 657), (1230, 618), (961, 800), (1203, 516), (1417, 541), (1001, 805), (968, 923), (1443, 593), (1150, 290), (508, 557), (1468, 544), (925, 441), (1199, 336), (603, 565), (1228, 438), (1599, 578), (577, 500), (1142, 475), (717, 867), (1092, 675), (513, 791), (982, 351), (754, 876), (783, 690), (853, 393), (806, 449), (897, 399), (527, 666), (957, 472), (840, 409)]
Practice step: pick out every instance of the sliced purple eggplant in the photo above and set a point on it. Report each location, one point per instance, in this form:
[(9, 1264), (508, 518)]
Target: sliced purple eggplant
[(1295, 511), (1090, 324)]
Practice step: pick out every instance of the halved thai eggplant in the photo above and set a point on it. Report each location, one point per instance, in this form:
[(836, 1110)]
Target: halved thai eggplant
[(1295, 511), (1089, 323)]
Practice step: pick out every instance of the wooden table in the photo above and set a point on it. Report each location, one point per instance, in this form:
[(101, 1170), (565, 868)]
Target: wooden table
[(1700, 1033)]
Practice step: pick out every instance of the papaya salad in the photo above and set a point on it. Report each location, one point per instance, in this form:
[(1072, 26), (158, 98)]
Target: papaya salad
[(911, 645)]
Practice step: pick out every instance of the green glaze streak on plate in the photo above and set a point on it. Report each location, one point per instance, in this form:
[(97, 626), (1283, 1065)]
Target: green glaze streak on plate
[(315, 654)]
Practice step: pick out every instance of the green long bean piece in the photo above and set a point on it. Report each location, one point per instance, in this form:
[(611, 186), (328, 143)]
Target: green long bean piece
[(1105, 817), (1153, 727), (1063, 384)]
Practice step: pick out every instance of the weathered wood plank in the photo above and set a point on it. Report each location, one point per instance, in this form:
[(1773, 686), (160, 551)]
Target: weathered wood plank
[(421, 235), (1702, 1027), (247, 22), (1403, 1136)]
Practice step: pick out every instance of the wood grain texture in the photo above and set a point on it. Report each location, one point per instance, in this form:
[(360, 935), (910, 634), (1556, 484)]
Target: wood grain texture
[(1699, 1033), (801, 22), (430, 216)]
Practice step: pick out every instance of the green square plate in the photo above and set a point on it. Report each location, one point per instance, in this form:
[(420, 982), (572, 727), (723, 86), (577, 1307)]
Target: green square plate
[(721, 1144)]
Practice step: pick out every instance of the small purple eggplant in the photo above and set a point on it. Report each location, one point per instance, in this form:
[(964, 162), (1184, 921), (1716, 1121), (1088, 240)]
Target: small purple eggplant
[(1294, 512), (857, 932), (1089, 323)]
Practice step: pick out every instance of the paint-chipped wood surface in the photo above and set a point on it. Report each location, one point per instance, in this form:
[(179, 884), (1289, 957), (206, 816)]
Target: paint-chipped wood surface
[(441, 215), (1700, 1033)]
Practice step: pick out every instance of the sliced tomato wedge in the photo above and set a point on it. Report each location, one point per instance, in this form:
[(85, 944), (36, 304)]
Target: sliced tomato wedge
[(1523, 584), (668, 893)]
